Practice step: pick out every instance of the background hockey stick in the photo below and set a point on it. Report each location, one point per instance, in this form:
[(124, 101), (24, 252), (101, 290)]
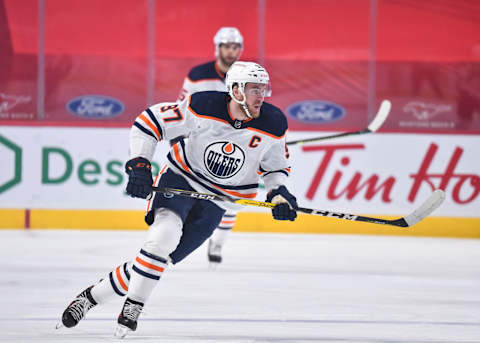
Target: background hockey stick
[(432, 203), (378, 121)]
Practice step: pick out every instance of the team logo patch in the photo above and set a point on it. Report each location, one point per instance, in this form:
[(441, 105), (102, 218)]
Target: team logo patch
[(237, 124), (223, 159)]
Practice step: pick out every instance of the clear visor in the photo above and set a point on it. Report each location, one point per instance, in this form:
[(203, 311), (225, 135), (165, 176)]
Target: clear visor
[(259, 89)]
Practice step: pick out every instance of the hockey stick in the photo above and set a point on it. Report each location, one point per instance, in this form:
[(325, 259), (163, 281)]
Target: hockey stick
[(378, 121), (432, 203)]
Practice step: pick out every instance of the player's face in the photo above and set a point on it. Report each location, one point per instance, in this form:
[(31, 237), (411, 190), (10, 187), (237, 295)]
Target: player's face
[(255, 94), (228, 53)]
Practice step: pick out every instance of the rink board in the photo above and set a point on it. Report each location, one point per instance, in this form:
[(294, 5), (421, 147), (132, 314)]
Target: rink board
[(246, 222), (74, 178)]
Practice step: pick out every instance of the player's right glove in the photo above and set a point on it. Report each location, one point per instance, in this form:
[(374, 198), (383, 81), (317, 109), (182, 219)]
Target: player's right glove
[(286, 204), (140, 179)]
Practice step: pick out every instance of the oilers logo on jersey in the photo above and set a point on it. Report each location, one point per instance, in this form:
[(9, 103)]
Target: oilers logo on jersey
[(215, 157), (223, 159)]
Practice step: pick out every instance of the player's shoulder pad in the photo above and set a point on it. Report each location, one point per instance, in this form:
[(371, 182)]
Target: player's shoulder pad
[(210, 104), (204, 71), (271, 120)]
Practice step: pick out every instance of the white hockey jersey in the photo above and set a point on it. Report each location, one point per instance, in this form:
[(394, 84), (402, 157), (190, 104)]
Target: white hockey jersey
[(204, 77), (218, 154)]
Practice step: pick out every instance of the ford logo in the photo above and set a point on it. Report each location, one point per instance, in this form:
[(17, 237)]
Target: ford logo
[(315, 111), (95, 106)]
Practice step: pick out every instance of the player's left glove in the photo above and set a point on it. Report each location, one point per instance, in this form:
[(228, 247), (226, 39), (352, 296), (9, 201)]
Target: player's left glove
[(140, 179), (286, 204)]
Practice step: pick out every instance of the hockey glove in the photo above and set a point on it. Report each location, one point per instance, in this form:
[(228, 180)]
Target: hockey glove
[(286, 204), (140, 179)]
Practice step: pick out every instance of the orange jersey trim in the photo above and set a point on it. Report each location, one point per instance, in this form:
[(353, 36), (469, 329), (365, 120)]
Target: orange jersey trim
[(266, 133), (155, 183), (219, 72), (230, 113), (150, 125), (231, 116), (179, 159), (226, 122), (205, 116), (240, 195), (161, 172)]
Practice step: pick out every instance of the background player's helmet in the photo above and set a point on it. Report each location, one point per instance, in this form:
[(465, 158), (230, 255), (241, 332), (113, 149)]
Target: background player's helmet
[(227, 35), (241, 73)]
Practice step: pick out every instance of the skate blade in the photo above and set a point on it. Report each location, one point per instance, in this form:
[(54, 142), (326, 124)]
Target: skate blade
[(121, 331)]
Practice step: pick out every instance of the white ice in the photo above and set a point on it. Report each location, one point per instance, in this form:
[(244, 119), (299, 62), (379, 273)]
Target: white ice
[(270, 288)]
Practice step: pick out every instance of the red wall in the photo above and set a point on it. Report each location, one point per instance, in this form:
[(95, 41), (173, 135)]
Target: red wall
[(314, 49)]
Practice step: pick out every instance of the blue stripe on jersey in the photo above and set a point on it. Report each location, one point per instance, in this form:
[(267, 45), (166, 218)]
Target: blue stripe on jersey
[(144, 130), (112, 282), (241, 187), (147, 275), (276, 171), (152, 256), (152, 117), (127, 274), (229, 215)]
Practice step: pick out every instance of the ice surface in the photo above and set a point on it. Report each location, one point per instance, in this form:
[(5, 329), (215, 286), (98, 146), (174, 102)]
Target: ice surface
[(270, 288)]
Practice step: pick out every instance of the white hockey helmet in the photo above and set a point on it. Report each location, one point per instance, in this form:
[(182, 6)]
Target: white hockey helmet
[(241, 73), (228, 35)]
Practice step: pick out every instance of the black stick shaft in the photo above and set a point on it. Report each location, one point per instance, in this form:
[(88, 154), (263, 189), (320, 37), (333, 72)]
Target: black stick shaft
[(324, 213), (315, 139)]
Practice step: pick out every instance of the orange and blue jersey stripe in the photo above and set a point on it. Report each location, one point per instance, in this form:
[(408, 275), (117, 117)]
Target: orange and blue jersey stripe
[(264, 172), (149, 265), (148, 124)]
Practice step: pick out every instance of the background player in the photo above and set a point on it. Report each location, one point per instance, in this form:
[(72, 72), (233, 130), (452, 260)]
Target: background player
[(210, 76)]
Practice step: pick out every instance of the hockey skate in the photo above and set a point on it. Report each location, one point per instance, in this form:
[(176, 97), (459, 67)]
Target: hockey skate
[(77, 309), (214, 253), (127, 320)]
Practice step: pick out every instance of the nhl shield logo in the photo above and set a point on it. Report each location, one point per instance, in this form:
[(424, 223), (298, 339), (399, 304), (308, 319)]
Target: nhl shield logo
[(223, 159)]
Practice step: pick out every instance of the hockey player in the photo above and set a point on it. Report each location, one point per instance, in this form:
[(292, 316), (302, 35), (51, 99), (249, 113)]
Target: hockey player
[(230, 140), (211, 77)]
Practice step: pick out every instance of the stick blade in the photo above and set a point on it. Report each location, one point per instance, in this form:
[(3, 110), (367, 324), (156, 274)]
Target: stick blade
[(381, 116), (430, 205)]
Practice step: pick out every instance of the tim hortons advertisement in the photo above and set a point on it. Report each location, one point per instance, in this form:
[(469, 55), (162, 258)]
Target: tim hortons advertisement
[(83, 168)]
